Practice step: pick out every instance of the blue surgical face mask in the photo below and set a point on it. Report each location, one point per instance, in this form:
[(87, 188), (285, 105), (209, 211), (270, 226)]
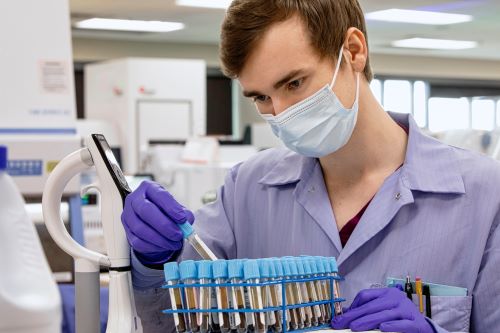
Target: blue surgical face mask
[(319, 125)]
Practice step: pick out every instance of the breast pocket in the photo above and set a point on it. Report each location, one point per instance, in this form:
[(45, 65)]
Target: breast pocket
[(452, 312)]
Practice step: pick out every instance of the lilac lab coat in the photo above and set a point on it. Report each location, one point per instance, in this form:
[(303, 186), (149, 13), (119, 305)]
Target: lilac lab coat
[(436, 217)]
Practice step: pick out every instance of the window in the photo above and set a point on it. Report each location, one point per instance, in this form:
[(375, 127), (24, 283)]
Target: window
[(483, 114), (398, 96), (420, 103), (448, 114), (441, 105), (498, 113)]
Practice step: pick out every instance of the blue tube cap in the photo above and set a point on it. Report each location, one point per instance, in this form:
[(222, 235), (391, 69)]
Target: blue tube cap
[(272, 268), (278, 267), (171, 271), (3, 158), (300, 266), (235, 269), (186, 228), (292, 266), (333, 265), (312, 264), (264, 268), (251, 269), (320, 265), (205, 269), (286, 268), (326, 264), (219, 268), (306, 263), (187, 270)]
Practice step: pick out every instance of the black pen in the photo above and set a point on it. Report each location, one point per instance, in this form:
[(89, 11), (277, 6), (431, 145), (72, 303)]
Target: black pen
[(427, 294), (408, 288)]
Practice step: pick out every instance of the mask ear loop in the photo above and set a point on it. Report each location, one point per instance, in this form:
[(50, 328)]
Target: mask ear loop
[(337, 68), (341, 55), (357, 89)]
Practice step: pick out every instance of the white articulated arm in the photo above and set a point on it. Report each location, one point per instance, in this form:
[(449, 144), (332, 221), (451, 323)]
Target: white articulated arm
[(70, 166)]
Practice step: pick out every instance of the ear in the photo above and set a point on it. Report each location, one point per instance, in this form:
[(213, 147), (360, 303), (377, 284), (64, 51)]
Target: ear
[(355, 43)]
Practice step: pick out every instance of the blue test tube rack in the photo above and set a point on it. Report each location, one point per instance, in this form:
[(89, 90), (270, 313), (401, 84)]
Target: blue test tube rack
[(283, 282)]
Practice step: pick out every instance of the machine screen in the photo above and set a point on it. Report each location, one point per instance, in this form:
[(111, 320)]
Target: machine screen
[(111, 163)]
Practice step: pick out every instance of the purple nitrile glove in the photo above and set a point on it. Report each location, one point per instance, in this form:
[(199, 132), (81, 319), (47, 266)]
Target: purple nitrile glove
[(387, 309), (150, 219)]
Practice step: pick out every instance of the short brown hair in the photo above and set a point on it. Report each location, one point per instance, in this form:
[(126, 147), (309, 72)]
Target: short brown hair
[(326, 20)]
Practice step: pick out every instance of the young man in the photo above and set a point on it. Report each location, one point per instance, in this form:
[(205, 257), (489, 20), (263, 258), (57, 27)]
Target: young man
[(356, 183)]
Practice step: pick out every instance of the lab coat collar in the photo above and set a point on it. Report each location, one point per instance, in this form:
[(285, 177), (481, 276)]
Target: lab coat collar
[(312, 195), (429, 165), (390, 198), (290, 169)]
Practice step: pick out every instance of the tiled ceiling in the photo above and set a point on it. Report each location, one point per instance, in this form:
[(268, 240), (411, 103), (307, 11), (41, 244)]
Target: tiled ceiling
[(202, 25)]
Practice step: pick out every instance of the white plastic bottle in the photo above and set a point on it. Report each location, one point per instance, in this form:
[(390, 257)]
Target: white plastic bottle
[(29, 298)]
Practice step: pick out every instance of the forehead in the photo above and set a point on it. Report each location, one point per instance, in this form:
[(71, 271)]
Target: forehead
[(284, 47)]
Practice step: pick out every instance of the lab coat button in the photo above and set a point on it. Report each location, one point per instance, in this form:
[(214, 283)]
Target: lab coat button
[(398, 196)]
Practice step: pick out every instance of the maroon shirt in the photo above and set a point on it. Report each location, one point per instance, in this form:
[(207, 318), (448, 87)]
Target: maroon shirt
[(347, 230)]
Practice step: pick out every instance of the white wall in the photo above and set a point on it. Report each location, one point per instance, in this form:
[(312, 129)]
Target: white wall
[(86, 50), (433, 67)]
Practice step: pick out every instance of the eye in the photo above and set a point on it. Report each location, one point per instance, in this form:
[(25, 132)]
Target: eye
[(260, 99), (295, 84)]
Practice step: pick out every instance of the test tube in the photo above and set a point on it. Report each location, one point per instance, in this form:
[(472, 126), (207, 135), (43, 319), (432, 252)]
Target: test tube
[(171, 271), (311, 288), (250, 316), (215, 327), (310, 317), (298, 293), (196, 242), (205, 277), (275, 296), (326, 264), (318, 288), (252, 275), (235, 275), (296, 321), (265, 276), (188, 275), (220, 277), (334, 271), (325, 287), (278, 290)]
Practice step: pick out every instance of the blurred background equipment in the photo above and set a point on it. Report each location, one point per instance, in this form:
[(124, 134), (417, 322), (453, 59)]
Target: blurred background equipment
[(147, 99), (29, 299), (37, 112)]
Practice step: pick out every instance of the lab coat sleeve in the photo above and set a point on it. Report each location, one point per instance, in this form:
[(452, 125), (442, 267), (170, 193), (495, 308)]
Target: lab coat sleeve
[(486, 293), (150, 298), (214, 224)]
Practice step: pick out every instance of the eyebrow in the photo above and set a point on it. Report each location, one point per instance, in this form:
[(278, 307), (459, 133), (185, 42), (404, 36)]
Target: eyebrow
[(277, 85)]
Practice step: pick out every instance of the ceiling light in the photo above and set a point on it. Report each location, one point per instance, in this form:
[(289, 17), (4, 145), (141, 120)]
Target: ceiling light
[(438, 44), (129, 25), (417, 16), (219, 4)]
